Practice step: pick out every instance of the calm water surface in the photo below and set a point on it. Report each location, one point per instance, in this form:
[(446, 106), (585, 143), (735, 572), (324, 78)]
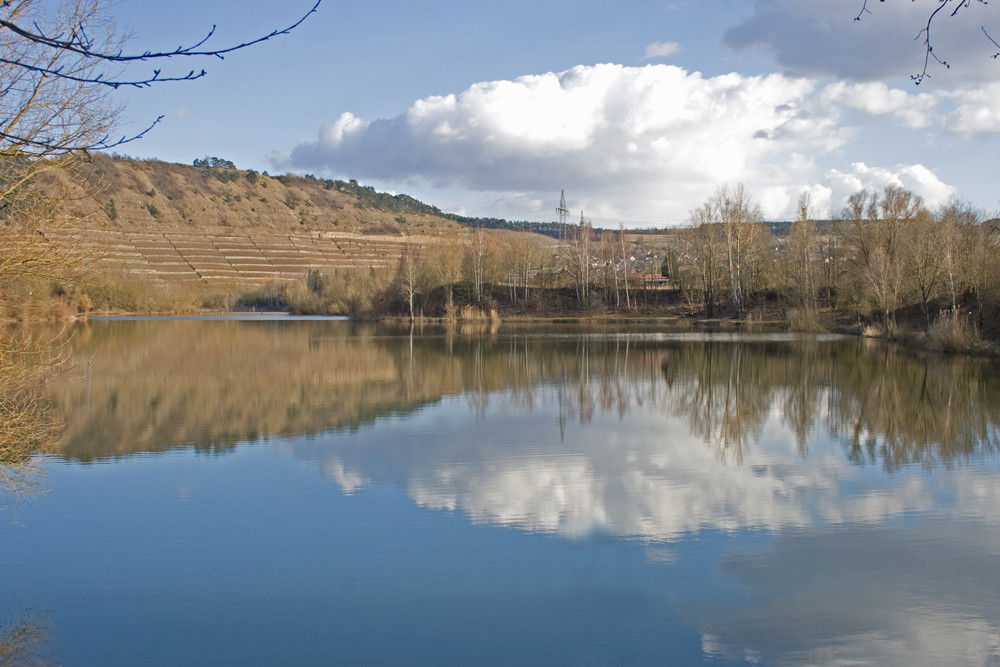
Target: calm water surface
[(323, 492)]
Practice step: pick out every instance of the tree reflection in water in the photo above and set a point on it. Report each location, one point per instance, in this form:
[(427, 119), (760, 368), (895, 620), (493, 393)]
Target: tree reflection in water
[(160, 385), (680, 443), (884, 403), (27, 423), (24, 636)]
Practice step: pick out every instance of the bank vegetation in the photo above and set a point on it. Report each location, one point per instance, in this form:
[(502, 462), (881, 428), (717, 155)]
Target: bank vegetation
[(886, 267)]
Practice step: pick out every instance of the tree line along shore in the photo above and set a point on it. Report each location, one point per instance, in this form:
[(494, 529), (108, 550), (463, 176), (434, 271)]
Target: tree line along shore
[(116, 235)]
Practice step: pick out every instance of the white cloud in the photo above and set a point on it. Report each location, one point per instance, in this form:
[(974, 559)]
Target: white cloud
[(661, 50), (647, 142), (333, 134), (977, 115), (651, 132), (907, 108), (915, 177)]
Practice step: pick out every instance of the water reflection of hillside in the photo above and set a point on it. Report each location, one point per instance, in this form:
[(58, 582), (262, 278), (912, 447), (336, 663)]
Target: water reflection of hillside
[(145, 386), (154, 385)]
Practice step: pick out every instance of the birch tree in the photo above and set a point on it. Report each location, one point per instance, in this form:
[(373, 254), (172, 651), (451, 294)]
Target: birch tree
[(703, 259), (802, 252), (740, 219), (580, 250)]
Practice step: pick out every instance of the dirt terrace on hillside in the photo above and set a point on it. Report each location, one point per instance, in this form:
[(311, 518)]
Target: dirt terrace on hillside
[(251, 258)]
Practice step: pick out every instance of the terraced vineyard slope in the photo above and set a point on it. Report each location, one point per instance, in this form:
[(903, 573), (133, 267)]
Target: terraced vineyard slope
[(210, 222), (256, 258)]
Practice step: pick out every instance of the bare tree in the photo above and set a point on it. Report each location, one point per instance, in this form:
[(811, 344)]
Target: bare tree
[(60, 63), (928, 252), (57, 69), (979, 253), (506, 260), (703, 258), (482, 264), (447, 266), (621, 239), (475, 253), (955, 219), (740, 218), (876, 228), (580, 242), (525, 255), (410, 274), (803, 249), (609, 267)]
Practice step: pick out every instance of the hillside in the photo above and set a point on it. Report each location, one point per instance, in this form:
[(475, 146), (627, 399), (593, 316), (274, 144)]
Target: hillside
[(238, 238), (210, 223), (213, 197)]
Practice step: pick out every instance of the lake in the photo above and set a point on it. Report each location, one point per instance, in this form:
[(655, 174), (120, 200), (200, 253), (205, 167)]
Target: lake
[(266, 491)]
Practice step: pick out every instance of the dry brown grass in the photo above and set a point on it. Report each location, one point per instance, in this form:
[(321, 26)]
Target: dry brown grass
[(124, 292), (469, 313), (953, 332), (873, 330), (190, 199), (806, 320)]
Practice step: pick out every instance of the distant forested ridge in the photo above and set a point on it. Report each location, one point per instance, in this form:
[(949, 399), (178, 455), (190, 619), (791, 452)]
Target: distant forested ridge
[(368, 197)]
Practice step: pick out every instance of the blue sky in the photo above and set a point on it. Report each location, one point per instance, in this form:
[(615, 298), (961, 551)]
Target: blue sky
[(638, 110)]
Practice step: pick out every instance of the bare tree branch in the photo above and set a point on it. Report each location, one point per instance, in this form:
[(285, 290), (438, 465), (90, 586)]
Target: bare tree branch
[(99, 78), (53, 69), (103, 143), (77, 42), (928, 47)]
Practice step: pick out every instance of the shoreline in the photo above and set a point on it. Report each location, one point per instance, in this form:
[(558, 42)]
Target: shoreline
[(914, 340)]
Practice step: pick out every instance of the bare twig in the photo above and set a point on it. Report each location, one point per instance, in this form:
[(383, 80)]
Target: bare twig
[(864, 10), (997, 54)]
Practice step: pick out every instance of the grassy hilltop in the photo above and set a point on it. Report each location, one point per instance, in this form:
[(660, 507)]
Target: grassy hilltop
[(213, 197)]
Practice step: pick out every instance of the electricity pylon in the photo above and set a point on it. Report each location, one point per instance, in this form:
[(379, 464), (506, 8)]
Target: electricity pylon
[(563, 213)]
